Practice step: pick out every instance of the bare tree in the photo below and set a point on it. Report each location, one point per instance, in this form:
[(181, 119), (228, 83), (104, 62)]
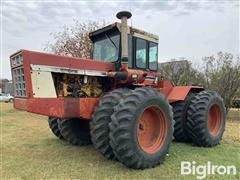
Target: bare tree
[(74, 40), (181, 72), (222, 73)]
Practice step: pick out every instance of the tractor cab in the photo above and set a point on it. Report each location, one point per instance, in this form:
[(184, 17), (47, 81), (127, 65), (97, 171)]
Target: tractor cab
[(142, 47)]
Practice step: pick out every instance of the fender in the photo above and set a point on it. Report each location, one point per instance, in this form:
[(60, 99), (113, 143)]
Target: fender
[(179, 93)]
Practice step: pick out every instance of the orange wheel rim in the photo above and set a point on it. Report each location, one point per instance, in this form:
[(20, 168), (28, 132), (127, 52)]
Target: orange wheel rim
[(151, 129), (214, 120)]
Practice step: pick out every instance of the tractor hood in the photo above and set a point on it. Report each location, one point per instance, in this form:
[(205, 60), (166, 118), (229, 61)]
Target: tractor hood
[(33, 61), (29, 69)]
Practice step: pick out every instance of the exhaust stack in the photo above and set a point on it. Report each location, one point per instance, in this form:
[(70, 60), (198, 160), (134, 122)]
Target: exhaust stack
[(124, 15)]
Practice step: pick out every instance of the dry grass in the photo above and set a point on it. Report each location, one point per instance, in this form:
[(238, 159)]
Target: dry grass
[(234, 115), (30, 151)]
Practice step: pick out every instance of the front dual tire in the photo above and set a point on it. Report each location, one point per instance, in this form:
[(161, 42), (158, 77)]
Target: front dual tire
[(141, 129), (102, 117)]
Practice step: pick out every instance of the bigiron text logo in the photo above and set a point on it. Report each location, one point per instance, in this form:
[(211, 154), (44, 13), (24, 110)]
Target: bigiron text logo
[(202, 170)]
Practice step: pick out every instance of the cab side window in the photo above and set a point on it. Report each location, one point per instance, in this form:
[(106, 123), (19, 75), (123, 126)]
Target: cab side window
[(153, 56), (141, 53)]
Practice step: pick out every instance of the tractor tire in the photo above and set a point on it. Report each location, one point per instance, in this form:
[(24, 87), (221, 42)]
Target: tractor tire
[(76, 131), (180, 117), (102, 117), (206, 119), (141, 129), (53, 125)]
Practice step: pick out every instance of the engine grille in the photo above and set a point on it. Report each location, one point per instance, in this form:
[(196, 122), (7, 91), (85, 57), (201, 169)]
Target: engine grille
[(16, 60), (19, 82), (18, 76)]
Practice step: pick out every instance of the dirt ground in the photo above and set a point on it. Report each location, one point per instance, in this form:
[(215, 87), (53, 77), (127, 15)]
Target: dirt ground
[(30, 151)]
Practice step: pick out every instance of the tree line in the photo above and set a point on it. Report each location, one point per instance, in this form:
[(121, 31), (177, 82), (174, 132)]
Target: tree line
[(220, 73)]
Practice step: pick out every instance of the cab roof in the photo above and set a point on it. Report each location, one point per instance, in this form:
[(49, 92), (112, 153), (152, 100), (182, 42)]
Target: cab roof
[(131, 30)]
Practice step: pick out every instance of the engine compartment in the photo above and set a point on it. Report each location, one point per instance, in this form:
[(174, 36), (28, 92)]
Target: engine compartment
[(74, 85)]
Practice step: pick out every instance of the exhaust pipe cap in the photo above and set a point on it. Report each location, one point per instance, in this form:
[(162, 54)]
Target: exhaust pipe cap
[(124, 14)]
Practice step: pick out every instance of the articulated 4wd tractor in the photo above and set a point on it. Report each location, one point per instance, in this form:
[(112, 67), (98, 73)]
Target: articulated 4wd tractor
[(116, 100)]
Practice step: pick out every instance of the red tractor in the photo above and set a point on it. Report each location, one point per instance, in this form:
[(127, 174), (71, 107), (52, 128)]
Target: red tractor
[(116, 100)]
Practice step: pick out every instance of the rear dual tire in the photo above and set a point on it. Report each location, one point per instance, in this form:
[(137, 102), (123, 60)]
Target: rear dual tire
[(76, 131), (180, 117), (206, 117), (73, 130)]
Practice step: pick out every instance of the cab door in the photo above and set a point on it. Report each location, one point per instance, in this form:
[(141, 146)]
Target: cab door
[(144, 55)]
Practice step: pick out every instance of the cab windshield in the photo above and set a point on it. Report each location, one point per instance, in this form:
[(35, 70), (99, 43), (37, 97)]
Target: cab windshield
[(106, 47)]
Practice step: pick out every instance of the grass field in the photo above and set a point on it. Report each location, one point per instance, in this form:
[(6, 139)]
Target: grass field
[(30, 151)]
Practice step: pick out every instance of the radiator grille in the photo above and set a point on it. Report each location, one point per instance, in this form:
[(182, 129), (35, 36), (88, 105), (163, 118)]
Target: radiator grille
[(19, 82), (18, 76), (16, 60)]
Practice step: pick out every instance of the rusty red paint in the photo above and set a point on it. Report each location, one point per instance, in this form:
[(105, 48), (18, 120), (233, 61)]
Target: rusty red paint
[(87, 106), (20, 103), (65, 61), (27, 74), (58, 107), (178, 93), (165, 87)]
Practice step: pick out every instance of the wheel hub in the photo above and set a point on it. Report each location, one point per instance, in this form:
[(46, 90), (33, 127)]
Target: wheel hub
[(214, 120), (151, 129)]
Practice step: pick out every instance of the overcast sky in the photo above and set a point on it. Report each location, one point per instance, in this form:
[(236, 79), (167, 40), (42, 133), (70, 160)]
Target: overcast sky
[(191, 28)]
